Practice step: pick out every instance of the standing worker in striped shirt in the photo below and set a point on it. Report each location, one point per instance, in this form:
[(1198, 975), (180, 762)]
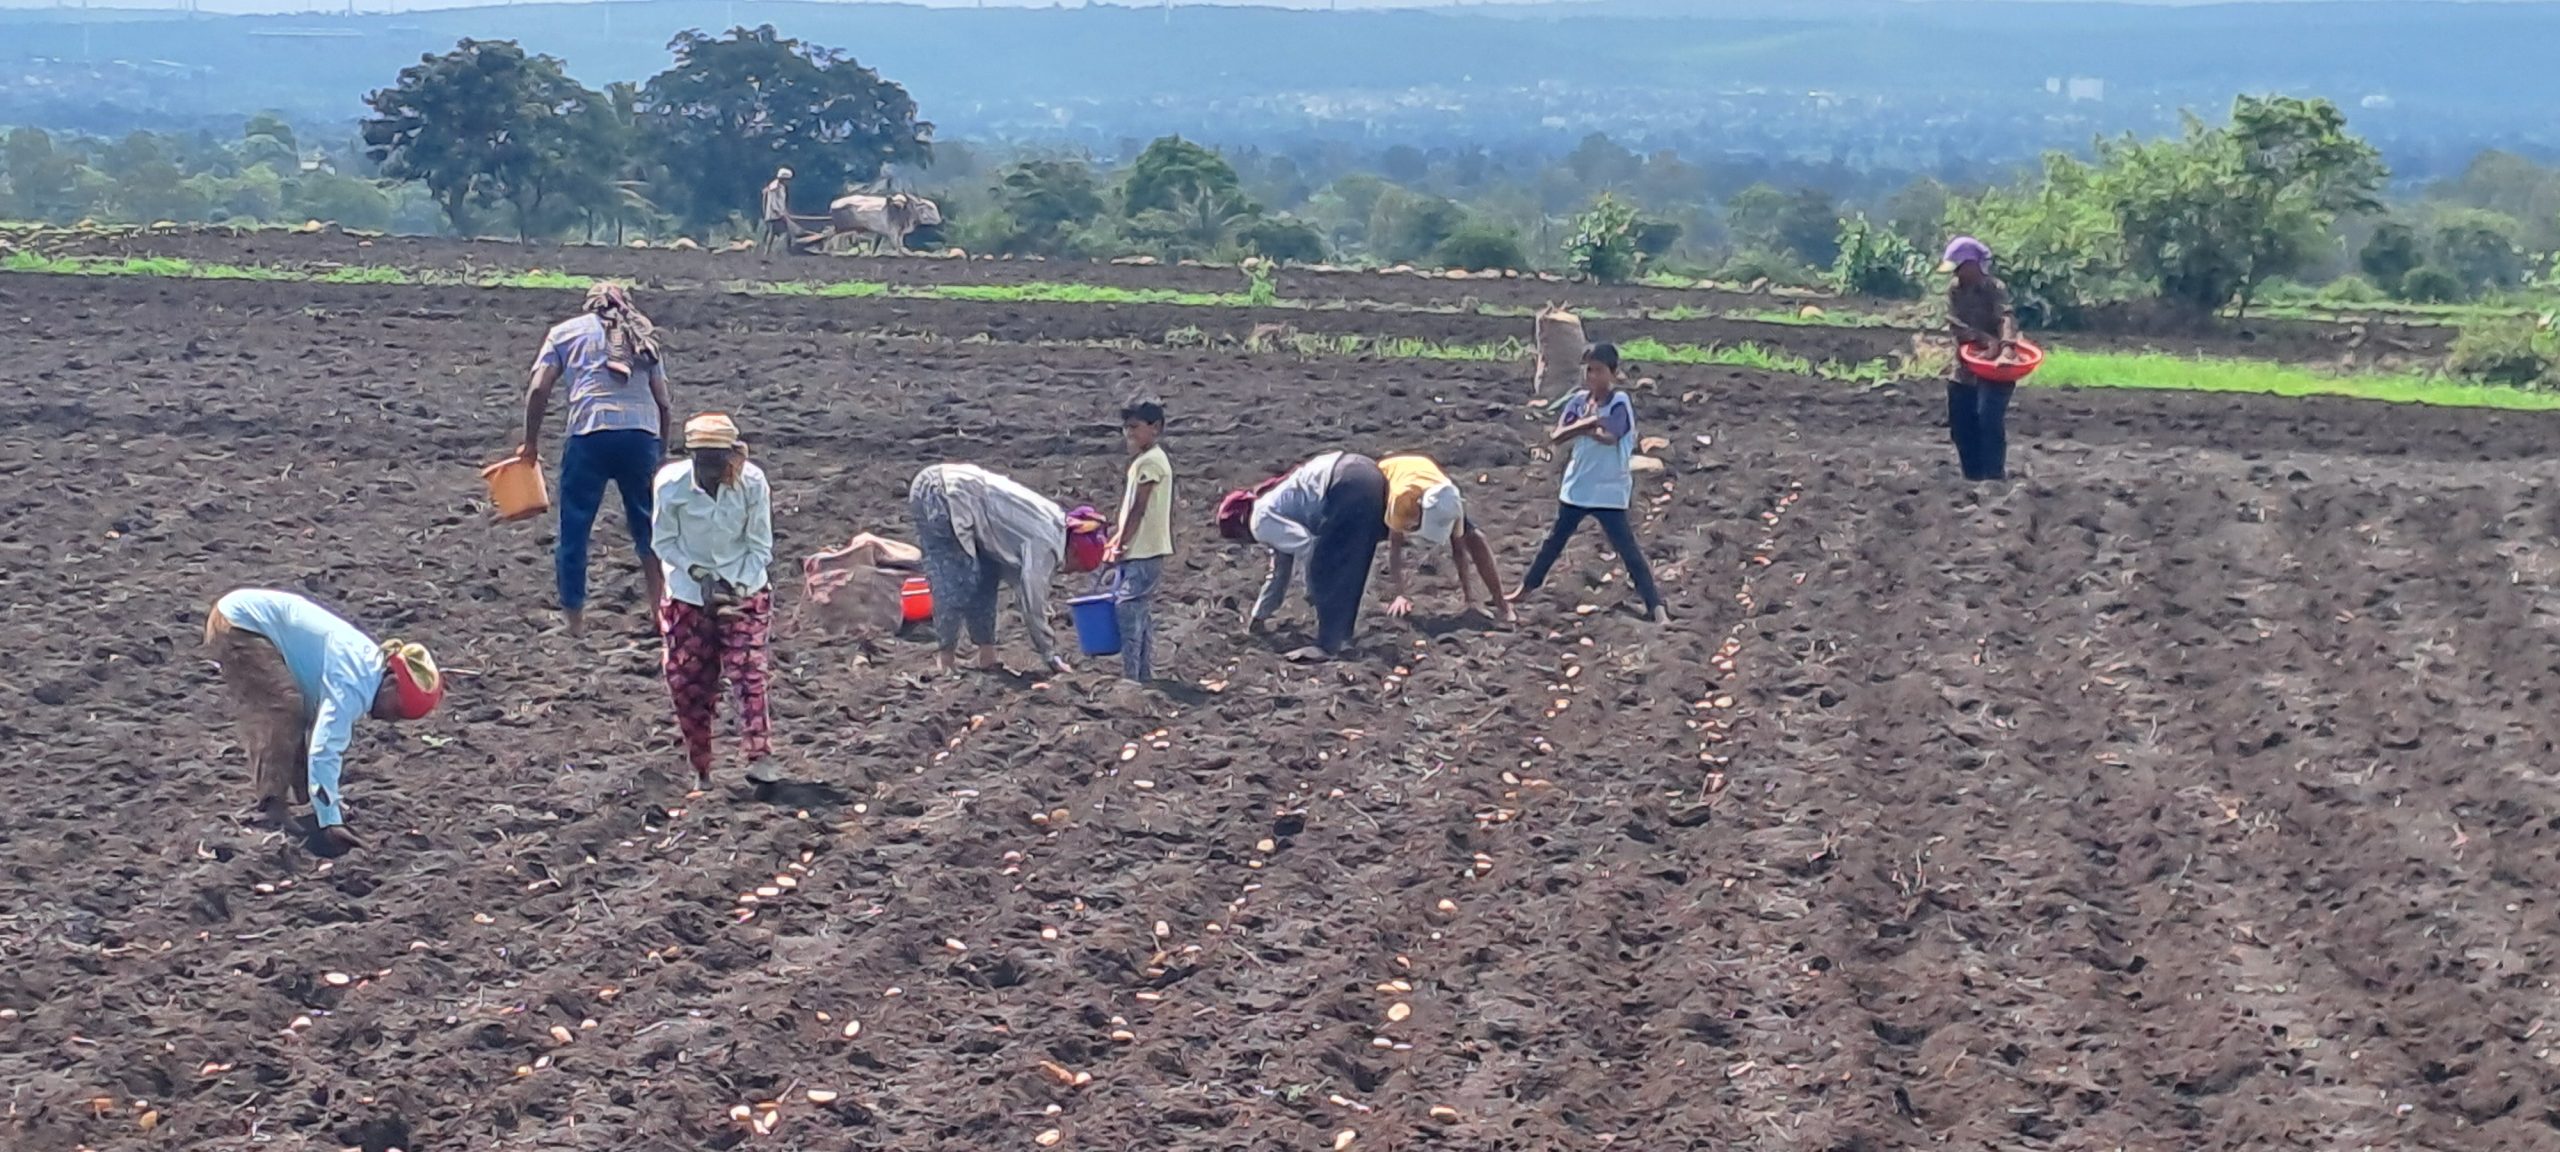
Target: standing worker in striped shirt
[(299, 676)]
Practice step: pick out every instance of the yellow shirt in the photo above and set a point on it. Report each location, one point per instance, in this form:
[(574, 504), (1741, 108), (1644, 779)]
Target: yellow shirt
[(1155, 533), (1408, 477)]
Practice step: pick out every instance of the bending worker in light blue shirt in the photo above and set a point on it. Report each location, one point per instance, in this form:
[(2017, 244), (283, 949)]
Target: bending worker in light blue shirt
[(299, 676)]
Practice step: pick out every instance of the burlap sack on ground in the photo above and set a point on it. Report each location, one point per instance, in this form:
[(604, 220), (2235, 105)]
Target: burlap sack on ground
[(857, 588), (1560, 345), (273, 723)]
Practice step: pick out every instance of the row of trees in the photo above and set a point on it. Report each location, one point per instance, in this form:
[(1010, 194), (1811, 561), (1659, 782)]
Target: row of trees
[(2200, 221), (489, 128), (489, 137), (2225, 214), (263, 175)]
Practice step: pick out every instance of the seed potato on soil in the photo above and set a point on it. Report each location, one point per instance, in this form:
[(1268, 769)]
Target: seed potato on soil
[(2193, 792)]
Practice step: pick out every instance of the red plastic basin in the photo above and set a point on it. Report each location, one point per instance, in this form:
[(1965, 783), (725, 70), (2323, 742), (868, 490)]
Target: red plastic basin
[(2023, 359)]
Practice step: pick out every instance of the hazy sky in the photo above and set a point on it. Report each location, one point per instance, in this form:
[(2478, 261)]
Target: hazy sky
[(409, 5), (275, 6)]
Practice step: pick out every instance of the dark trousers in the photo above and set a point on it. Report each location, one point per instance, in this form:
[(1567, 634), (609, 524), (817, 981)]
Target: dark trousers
[(1348, 531), (628, 459), (1621, 534), (1978, 421)]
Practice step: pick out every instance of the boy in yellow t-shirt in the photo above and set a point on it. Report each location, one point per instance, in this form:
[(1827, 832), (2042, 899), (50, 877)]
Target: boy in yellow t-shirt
[(1423, 503), (1145, 536)]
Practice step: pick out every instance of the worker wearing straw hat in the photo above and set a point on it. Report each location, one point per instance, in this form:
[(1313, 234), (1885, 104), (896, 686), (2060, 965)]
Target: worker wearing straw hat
[(713, 530), (299, 676)]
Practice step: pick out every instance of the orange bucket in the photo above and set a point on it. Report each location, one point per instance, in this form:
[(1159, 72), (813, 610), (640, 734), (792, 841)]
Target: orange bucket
[(915, 600), (516, 491)]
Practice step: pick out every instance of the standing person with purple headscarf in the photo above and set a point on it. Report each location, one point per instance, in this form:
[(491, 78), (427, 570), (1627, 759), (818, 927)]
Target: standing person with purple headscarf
[(618, 412), (1978, 313)]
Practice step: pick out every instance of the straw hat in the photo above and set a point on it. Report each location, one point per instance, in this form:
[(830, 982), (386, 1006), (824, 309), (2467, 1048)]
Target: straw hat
[(711, 430)]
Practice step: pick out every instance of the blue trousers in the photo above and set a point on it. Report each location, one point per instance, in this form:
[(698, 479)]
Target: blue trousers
[(1135, 600), (1978, 421), (627, 458), (1622, 536)]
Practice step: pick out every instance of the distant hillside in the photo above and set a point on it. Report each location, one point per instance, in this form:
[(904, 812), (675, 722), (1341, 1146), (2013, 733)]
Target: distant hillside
[(1849, 80)]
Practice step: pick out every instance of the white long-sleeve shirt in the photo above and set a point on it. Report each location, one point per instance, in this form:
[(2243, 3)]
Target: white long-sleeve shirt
[(729, 535)]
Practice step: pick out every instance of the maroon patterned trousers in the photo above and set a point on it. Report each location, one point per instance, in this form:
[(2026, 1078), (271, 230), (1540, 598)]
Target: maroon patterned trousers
[(705, 648)]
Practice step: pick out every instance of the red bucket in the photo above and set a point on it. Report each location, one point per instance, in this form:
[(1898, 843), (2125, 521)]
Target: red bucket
[(915, 600), (2022, 360)]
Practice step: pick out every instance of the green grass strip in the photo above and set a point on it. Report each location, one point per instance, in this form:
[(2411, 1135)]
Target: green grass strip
[(2064, 368), (161, 267)]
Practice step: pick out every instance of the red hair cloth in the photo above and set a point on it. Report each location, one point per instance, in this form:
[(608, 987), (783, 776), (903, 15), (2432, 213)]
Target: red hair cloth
[(419, 683)]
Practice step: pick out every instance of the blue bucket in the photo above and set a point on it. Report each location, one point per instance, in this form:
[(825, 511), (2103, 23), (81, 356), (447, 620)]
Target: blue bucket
[(1097, 620)]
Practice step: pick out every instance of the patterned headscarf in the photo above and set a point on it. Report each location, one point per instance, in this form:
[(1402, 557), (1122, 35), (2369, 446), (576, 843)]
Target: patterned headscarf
[(631, 341), (420, 683)]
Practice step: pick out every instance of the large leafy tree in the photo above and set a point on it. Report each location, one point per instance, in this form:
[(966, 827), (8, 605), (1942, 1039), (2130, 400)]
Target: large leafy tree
[(2053, 240), (1176, 175), (564, 163), (2390, 254), (1406, 226), (2212, 215), (735, 108), (442, 121), (1203, 225), (488, 124), (2480, 250), (1804, 223), (149, 184), (1047, 200), (43, 180)]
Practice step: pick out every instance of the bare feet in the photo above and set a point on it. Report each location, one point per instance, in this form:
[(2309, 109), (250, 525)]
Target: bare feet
[(987, 661), (576, 621), (338, 839)]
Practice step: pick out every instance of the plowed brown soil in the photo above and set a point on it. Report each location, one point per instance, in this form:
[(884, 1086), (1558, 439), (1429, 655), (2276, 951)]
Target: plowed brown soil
[(2194, 792), (1342, 300)]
